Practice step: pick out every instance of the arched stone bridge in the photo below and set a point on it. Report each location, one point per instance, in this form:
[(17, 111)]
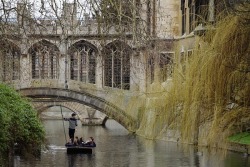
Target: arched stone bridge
[(85, 98), (87, 115)]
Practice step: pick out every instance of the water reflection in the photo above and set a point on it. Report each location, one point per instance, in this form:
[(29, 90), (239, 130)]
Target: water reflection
[(117, 148)]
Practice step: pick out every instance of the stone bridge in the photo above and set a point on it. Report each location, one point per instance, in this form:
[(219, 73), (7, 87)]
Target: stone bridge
[(52, 97)]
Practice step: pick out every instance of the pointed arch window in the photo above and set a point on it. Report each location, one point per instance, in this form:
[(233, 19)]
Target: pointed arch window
[(117, 66), (44, 58), (151, 68), (9, 61), (83, 62), (166, 65)]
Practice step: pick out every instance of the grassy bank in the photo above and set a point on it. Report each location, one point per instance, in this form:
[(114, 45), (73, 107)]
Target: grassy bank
[(240, 138)]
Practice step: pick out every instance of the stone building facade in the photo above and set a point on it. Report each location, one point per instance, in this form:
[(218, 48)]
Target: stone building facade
[(70, 49)]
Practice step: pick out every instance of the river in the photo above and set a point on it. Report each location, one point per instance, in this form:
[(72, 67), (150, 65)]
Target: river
[(117, 148)]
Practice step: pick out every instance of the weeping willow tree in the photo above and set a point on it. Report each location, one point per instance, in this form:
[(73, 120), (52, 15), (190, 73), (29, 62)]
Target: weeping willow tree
[(212, 93)]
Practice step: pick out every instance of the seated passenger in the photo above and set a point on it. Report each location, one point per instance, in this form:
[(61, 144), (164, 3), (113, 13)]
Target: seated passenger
[(90, 142), (77, 141), (69, 143), (81, 141)]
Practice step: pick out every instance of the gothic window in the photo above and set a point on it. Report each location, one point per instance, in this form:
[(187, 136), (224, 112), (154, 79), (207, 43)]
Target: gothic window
[(35, 65), (149, 15), (192, 22), (117, 61), (185, 59), (9, 61), (117, 66), (92, 66), (194, 12), (83, 65), (44, 58), (188, 56), (53, 66), (74, 66), (83, 62), (182, 57), (125, 71), (201, 11), (151, 67), (108, 71), (16, 66), (166, 65), (183, 16)]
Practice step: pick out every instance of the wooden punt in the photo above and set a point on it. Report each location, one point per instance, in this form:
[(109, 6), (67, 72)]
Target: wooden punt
[(79, 150), (71, 149)]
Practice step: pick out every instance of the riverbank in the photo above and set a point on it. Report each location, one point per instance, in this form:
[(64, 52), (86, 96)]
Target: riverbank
[(234, 143), (240, 142), (154, 129)]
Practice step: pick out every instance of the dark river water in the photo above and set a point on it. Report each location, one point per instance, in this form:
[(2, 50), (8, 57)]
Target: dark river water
[(117, 148)]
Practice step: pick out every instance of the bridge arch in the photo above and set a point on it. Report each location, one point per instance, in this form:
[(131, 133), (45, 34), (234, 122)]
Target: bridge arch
[(40, 109), (87, 115), (87, 99)]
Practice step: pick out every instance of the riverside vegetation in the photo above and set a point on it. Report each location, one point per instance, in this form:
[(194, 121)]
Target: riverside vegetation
[(207, 100), (20, 126)]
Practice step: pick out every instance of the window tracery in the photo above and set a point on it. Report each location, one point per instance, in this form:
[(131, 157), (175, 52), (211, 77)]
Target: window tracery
[(44, 58), (117, 66), (9, 61), (83, 62)]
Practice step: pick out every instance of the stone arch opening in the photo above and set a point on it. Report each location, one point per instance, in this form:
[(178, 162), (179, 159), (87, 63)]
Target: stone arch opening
[(45, 60), (9, 61), (45, 107), (116, 57), (83, 62), (60, 109)]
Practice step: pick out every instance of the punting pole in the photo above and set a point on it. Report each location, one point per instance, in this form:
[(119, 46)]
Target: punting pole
[(63, 125)]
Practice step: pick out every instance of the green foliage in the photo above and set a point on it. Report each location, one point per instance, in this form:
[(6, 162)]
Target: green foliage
[(242, 138), (19, 122)]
